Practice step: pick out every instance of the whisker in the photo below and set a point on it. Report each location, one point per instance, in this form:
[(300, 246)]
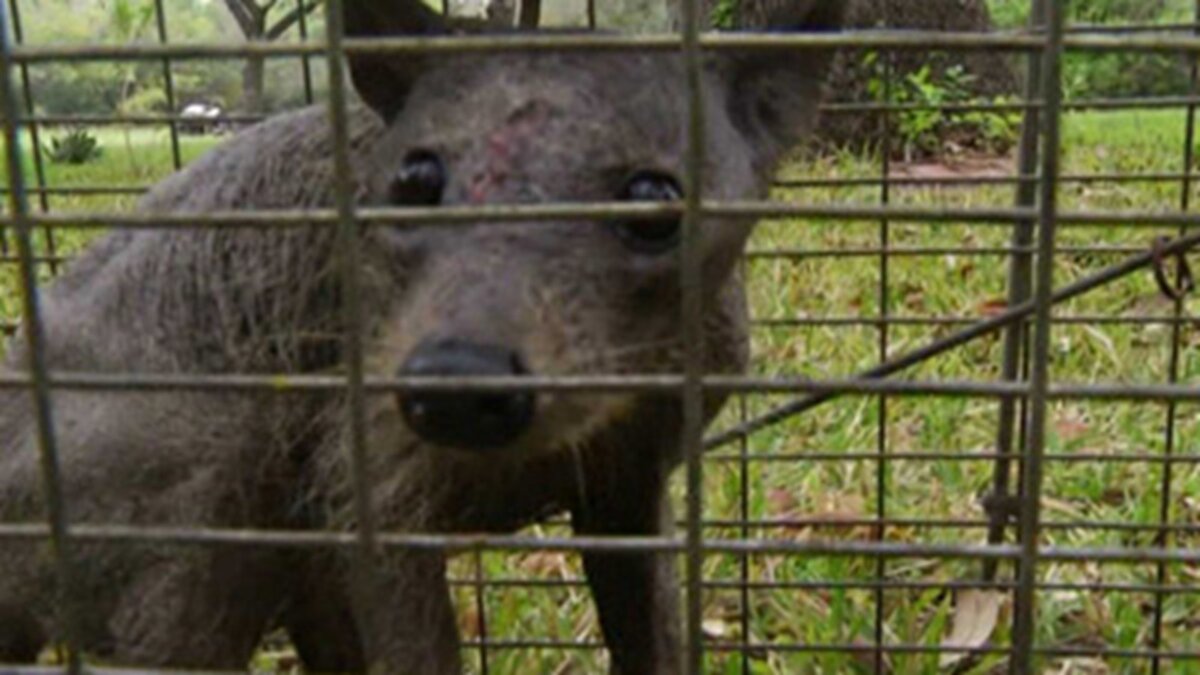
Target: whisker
[(622, 351)]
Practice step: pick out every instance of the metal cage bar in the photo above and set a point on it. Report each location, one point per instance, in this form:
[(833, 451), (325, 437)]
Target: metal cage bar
[(168, 76), (692, 323), (1029, 514), (887, 66), (39, 159), (302, 9), (1019, 290), (52, 491), (1165, 535), (366, 560)]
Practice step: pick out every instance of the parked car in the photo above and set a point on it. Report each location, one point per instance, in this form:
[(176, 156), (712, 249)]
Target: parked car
[(199, 118)]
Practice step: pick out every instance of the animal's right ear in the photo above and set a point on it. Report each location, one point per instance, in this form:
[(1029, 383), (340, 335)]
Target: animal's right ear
[(384, 80), (774, 95)]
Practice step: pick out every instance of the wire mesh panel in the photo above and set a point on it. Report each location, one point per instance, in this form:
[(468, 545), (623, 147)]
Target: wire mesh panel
[(968, 439)]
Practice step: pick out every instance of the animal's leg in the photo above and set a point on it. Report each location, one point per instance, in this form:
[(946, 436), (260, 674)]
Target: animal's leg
[(407, 618), (635, 593), (201, 609), (320, 620), (22, 637)]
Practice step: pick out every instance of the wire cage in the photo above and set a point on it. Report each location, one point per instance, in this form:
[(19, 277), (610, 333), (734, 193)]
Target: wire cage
[(970, 438)]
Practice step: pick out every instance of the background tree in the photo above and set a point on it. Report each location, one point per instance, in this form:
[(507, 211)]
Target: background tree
[(1115, 74), (916, 76), (529, 13), (259, 22), (858, 75), (130, 21), (103, 87)]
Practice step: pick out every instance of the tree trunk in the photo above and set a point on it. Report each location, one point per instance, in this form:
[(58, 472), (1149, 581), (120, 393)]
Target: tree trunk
[(530, 14), (253, 83), (251, 18)]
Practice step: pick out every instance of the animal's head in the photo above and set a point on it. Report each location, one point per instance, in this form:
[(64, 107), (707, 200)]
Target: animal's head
[(575, 296)]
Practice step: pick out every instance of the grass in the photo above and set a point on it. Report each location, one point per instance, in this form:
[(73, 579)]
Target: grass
[(821, 466)]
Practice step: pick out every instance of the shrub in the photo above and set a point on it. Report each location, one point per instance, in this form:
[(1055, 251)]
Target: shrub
[(921, 133), (76, 146), (1122, 74)]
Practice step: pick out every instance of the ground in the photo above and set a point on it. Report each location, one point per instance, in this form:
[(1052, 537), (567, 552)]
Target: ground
[(819, 475)]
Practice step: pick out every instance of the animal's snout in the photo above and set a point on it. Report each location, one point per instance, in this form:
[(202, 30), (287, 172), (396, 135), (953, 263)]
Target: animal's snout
[(471, 420)]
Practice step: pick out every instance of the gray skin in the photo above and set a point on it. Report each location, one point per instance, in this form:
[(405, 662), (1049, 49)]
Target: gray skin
[(570, 297)]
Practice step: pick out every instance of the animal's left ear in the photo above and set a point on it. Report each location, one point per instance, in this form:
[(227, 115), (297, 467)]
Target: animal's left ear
[(384, 80), (773, 95)]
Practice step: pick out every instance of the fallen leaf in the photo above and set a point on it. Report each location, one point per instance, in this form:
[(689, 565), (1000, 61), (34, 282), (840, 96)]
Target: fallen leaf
[(545, 563), (1065, 508), (565, 666), (781, 501), (992, 307), (975, 616), (1149, 303), (1191, 505), (866, 659), (714, 629), (966, 269), (1113, 496), (1070, 428), (1083, 666), (914, 300), (469, 625)]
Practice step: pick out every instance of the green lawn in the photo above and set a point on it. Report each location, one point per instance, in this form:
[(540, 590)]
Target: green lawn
[(820, 465), (963, 285)]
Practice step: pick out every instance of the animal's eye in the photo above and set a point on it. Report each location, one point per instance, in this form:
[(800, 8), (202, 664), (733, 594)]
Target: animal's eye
[(420, 180), (650, 235)]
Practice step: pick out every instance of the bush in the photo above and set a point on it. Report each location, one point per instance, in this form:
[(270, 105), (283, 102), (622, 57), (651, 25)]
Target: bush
[(1124, 74), (923, 132), (917, 77), (77, 146)]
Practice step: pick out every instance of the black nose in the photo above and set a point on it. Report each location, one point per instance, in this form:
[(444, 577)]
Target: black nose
[(472, 420)]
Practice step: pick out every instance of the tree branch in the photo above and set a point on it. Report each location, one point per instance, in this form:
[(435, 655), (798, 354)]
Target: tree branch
[(282, 25), (245, 12)]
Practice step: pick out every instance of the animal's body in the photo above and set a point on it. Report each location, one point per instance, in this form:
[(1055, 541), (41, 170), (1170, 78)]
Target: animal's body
[(546, 298)]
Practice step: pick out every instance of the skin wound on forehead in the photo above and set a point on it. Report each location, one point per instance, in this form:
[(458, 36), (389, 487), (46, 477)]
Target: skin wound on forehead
[(506, 145)]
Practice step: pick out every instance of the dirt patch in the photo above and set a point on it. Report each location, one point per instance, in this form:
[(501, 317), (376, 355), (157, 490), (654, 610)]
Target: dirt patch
[(967, 166)]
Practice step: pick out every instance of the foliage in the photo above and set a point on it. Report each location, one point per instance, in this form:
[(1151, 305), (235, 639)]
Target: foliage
[(724, 13), (635, 16), (76, 146), (1113, 11), (147, 100), (923, 132), (100, 87), (1015, 13), (130, 19), (1124, 75), (1009, 13), (1121, 74)]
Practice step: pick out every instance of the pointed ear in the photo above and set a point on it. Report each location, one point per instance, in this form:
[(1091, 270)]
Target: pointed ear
[(384, 80), (773, 95)]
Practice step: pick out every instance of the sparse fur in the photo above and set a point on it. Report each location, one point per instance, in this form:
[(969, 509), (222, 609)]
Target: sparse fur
[(569, 296)]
